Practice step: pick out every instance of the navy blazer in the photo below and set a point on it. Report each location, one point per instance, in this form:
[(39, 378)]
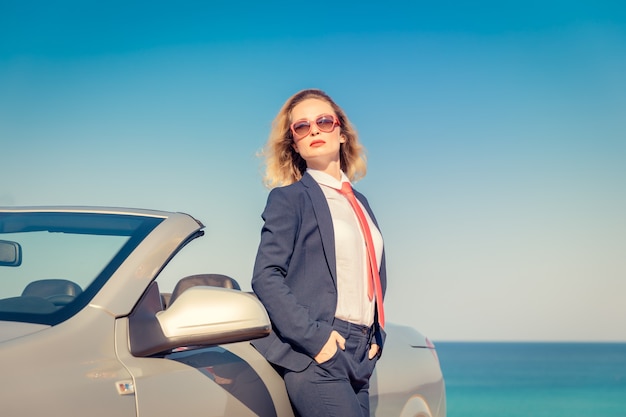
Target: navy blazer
[(295, 273)]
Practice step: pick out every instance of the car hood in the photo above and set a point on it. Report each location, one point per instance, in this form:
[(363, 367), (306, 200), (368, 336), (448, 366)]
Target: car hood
[(12, 329), (407, 334)]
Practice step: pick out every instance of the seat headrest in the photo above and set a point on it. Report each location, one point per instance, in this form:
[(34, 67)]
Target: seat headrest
[(212, 280), (46, 288)]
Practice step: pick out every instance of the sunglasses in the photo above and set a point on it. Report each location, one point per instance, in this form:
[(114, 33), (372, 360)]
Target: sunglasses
[(325, 123)]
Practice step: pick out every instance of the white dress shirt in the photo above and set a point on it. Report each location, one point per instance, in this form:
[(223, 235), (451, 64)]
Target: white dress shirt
[(353, 304)]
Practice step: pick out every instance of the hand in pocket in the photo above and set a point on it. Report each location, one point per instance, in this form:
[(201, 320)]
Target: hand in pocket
[(334, 342)]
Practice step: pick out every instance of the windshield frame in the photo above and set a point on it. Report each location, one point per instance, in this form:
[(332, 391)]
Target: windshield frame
[(135, 227)]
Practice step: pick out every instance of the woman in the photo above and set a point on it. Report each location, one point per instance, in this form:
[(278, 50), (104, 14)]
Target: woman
[(321, 287)]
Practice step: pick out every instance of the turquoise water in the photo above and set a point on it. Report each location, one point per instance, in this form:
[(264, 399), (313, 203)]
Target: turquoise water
[(534, 379)]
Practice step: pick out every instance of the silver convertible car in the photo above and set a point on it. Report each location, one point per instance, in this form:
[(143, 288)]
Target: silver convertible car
[(86, 331)]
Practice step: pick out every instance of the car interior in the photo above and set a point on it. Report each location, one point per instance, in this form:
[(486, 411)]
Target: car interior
[(212, 280)]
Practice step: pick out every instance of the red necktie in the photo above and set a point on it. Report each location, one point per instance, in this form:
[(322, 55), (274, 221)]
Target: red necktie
[(373, 286)]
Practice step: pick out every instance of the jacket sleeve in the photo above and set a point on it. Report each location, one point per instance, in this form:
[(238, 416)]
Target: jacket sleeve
[(290, 319)]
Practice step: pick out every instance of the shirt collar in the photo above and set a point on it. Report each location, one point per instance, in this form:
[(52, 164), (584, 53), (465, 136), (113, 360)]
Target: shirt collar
[(323, 178)]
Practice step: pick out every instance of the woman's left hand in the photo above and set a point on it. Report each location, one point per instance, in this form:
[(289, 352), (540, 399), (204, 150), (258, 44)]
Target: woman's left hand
[(373, 351)]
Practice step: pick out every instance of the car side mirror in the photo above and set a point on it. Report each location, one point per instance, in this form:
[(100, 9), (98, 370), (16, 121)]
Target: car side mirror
[(200, 316), (10, 253)]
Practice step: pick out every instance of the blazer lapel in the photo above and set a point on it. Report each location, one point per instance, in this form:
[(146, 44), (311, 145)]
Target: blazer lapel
[(324, 221)]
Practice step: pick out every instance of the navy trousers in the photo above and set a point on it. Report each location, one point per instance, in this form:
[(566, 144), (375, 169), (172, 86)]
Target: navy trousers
[(338, 387)]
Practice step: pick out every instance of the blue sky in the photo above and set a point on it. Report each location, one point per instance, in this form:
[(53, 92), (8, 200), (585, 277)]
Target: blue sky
[(495, 135)]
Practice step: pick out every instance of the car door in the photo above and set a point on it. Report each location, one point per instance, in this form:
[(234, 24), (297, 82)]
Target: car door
[(209, 379)]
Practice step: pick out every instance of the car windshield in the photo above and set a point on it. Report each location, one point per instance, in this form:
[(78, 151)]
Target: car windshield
[(52, 264)]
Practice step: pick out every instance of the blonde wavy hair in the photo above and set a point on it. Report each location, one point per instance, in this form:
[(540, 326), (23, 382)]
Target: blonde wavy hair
[(284, 166)]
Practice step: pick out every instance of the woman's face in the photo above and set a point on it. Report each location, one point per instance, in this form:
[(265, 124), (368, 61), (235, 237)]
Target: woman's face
[(318, 148)]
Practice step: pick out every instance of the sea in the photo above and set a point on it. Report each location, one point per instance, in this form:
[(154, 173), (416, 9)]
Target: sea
[(534, 379)]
